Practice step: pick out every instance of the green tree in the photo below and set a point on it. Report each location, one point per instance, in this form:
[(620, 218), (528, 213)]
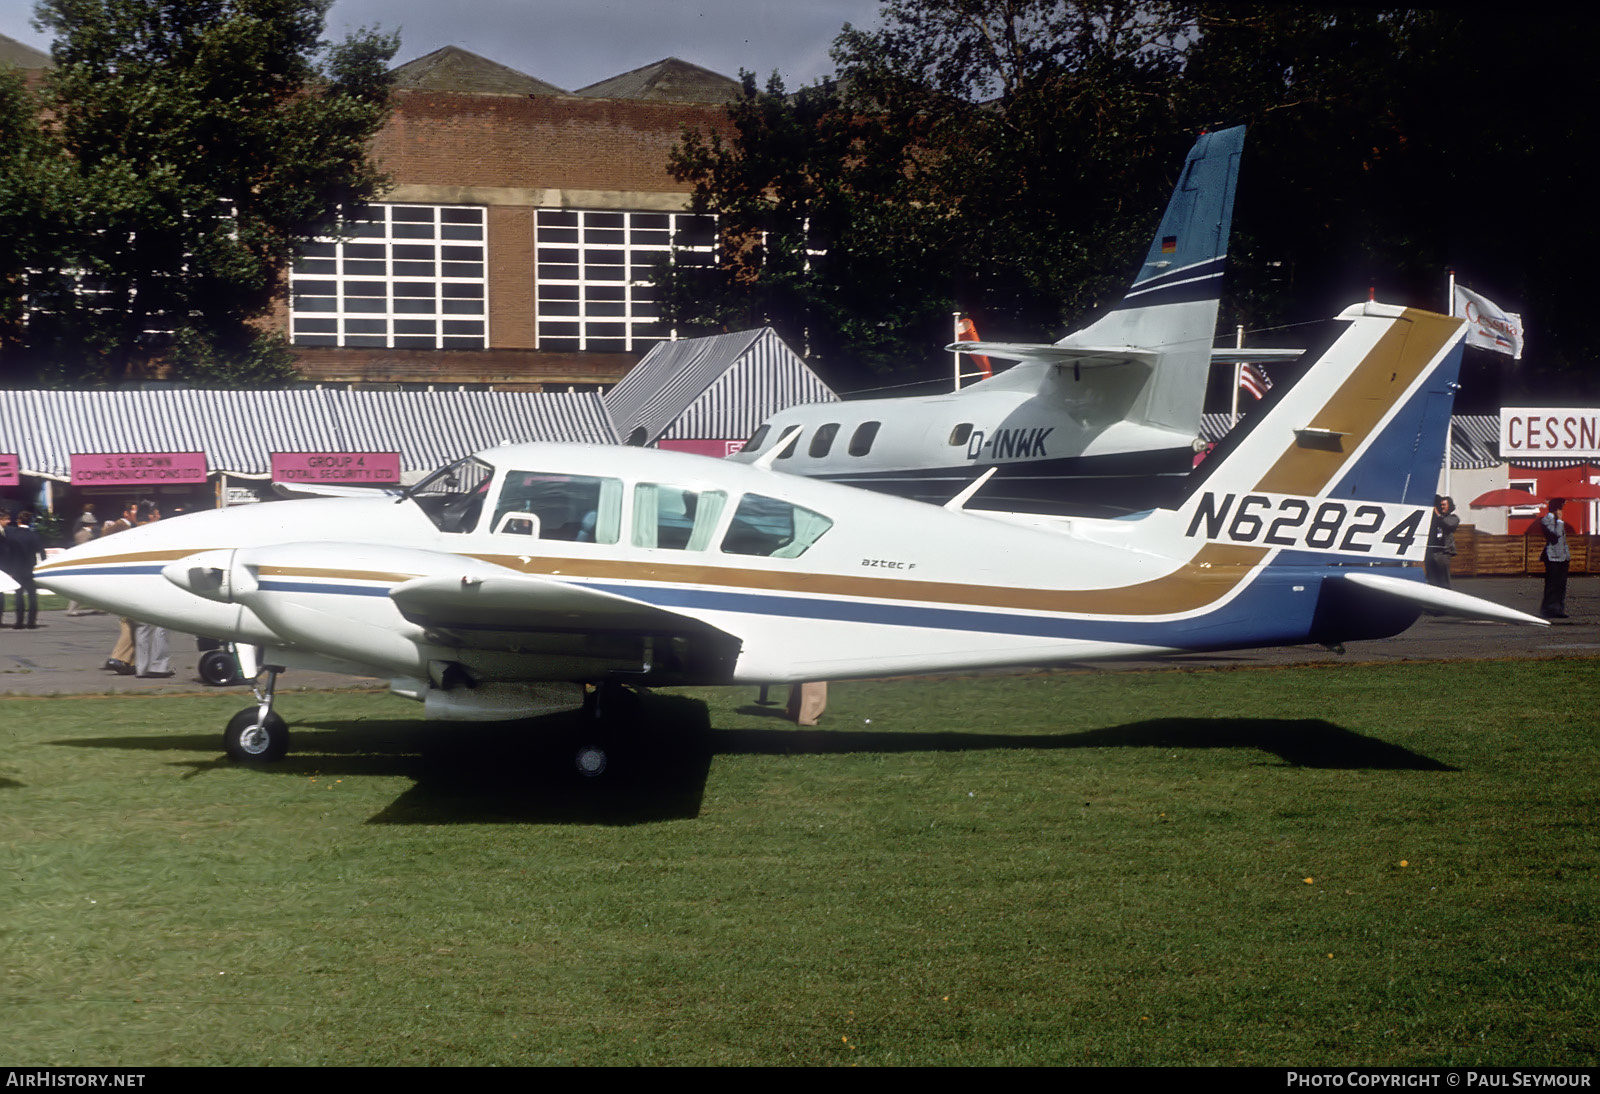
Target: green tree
[(805, 192), (1002, 157), (206, 140), (1389, 146)]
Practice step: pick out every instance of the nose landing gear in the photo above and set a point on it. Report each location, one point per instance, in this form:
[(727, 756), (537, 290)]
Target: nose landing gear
[(258, 735)]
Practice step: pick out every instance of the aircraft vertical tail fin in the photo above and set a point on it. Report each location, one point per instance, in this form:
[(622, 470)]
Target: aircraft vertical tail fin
[(1346, 460), (1337, 479), (1367, 419), (1171, 307)]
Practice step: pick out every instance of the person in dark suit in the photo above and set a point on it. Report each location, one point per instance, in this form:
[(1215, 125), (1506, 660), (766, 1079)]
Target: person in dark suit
[(23, 550)]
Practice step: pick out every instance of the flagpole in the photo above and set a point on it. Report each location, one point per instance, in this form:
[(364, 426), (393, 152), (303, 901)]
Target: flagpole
[(1450, 427), (955, 336), (1238, 372)]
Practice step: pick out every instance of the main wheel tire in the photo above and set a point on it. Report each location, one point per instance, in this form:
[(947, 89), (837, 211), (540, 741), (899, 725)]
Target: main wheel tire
[(249, 743), (590, 759), (219, 668)]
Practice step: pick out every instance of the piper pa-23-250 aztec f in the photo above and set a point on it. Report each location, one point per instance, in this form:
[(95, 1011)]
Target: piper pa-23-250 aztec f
[(506, 583)]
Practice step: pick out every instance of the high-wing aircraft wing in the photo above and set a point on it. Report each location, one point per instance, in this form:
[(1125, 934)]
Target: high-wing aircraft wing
[(1103, 356), (1087, 356)]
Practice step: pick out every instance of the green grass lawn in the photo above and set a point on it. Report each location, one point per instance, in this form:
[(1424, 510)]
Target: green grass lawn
[(1390, 864)]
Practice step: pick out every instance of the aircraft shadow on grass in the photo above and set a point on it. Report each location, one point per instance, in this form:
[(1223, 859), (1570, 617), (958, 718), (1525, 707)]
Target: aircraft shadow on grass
[(478, 773)]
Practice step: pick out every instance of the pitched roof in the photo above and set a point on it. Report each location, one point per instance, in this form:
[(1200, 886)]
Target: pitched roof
[(15, 53), (456, 69), (668, 80), (719, 387)]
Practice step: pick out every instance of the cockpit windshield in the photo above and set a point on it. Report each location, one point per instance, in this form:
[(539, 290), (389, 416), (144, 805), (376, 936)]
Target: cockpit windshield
[(453, 496)]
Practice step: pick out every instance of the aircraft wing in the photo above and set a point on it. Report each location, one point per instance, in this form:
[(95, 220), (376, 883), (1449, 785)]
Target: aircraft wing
[(479, 603), (1102, 356), (1254, 356), (1086, 356)]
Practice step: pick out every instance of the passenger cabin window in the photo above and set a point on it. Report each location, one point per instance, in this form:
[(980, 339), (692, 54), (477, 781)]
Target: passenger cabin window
[(755, 442), (675, 517), (961, 433), (861, 440), (772, 529), (453, 496), (822, 440), (574, 508)]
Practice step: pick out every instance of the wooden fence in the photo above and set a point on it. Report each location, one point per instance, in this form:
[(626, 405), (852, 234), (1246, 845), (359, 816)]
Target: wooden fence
[(1480, 553)]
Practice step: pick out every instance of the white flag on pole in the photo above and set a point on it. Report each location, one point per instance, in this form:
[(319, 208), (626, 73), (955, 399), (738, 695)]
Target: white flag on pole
[(1487, 326)]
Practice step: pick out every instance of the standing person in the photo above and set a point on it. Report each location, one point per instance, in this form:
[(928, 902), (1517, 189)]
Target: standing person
[(5, 566), (23, 550), (1557, 559), (87, 528), (123, 653), (149, 640), (1441, 541)]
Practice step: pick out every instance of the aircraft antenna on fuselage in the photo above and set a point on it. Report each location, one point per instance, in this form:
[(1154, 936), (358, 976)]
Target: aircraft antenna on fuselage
[(786, 443)]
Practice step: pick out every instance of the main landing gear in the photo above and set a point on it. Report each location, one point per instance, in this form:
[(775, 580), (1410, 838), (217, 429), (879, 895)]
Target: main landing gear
[(257, 735), (610, 716)]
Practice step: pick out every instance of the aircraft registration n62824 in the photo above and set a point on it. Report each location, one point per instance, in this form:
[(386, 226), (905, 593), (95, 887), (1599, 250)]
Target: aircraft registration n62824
[(535, 578)]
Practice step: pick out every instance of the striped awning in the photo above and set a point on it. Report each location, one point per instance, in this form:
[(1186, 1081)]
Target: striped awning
[(239, 430)]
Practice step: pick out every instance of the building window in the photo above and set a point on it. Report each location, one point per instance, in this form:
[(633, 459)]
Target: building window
[(593, 269), (404, 277)]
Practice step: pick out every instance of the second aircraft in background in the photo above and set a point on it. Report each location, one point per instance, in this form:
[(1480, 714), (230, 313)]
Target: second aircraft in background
[(1076, 424)]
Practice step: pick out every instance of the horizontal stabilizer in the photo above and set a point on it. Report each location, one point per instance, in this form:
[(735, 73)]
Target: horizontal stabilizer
[(1440, 601)]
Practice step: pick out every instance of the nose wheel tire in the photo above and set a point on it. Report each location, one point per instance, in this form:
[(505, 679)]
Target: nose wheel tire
[(251, 739)]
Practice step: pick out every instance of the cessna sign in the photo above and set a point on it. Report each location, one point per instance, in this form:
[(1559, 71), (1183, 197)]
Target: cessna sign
[(1549, 431)]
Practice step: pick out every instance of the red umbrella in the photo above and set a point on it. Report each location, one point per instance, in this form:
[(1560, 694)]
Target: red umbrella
[(1495, 499)]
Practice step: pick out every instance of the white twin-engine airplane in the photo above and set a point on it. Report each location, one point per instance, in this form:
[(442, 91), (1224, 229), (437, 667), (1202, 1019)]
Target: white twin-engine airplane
[(1106, 420), (504, 584)]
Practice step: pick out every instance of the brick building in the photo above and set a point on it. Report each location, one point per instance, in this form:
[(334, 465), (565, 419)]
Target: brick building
[(522, 222)]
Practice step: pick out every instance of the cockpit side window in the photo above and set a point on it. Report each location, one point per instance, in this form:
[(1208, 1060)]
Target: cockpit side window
[(453, 496), (675, 517), (545, 505), (772, 528)]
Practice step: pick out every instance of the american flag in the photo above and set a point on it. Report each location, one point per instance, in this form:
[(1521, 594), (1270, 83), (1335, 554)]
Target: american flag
[(1254, 381)]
